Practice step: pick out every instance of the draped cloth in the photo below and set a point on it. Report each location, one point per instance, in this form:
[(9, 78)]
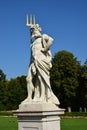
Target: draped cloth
[(39, 70)]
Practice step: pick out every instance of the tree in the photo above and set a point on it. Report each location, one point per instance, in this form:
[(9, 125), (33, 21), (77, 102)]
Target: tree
[(17, 92), (3, 96), (12, 93), (64, 77), (2, 76), (82, 89)]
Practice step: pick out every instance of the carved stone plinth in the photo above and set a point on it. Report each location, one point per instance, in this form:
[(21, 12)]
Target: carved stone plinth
[(38, 116)]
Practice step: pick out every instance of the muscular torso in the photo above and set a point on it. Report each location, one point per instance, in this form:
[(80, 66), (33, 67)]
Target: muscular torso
[(36, 48)]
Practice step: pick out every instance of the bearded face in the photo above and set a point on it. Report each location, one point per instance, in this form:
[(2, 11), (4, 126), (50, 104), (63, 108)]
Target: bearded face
[(35, 31)]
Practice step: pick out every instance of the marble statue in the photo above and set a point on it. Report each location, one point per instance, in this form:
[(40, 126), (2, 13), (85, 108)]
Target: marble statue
[(38, 77)]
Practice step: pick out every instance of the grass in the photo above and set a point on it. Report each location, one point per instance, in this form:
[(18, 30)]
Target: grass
[(6, 113), (10, 123), (74, 124), (75, 114)]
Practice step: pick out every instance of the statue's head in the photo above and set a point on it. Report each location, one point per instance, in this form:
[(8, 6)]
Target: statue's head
[(35, 31)]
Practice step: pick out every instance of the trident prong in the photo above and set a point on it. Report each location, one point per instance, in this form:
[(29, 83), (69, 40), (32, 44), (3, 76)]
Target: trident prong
[(32, 20)]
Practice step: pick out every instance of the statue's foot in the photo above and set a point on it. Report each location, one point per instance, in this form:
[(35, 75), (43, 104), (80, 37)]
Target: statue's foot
[(35, 99), (42, 99), (39, 99), (27, 100)]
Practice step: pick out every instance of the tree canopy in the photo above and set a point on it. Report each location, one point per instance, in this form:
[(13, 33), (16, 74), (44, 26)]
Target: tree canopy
[(68, 81), (2, 76), (64, 77)]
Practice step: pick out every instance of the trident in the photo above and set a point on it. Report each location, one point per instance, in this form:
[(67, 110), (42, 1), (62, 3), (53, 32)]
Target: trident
[(30, 23), (32, 20)]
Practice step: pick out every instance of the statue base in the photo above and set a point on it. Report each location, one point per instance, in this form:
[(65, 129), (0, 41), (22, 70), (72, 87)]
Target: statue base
[(38, 116)]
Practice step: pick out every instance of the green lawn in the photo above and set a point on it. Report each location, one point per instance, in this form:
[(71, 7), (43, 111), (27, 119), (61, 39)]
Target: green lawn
[(74, 124), (10, 123)]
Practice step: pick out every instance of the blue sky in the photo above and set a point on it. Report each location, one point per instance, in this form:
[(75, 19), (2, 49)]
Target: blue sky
[(64, 20)]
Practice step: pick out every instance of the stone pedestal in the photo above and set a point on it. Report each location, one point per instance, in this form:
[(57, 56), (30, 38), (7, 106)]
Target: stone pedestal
[(38, 116)]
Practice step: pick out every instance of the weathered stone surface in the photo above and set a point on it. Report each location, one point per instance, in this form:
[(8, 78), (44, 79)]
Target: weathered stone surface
[(38, 116)]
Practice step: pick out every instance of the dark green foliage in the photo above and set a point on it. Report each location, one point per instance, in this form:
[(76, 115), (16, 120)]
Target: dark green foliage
[(68, 81), (3, 96), (64, 77), (82, 88), (2, 76), (6, 113), (17, 92), (12, 93)]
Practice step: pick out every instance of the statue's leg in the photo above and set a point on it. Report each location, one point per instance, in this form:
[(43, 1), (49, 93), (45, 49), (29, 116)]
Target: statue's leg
[(30, 89), (36, 91), (30, 86), (42, 89)]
